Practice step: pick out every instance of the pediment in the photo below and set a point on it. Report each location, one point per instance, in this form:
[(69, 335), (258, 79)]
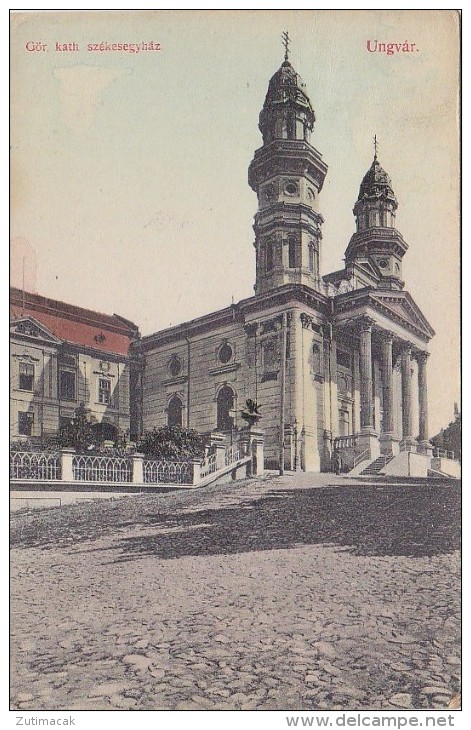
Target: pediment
[(29, 328), (369, 268), (401, 304)]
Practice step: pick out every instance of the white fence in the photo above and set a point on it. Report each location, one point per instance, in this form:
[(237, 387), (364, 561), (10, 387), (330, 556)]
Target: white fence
[(167, 472), (89, 468), (35, 465), (68, 466)]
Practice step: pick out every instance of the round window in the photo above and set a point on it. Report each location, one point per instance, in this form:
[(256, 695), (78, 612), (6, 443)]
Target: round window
[(383, 263), (175, 366), (225, 353), (291, 188)]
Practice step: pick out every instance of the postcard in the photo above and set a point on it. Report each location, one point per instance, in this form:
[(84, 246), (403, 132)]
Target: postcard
[(235, 362)]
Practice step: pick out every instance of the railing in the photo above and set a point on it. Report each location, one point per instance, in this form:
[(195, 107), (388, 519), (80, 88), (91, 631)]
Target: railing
[(101, 468), (443, 454), (68, 467), (208, 466), (345, 442), (34, 465), (361, 457), (167, 472), (233, 454)]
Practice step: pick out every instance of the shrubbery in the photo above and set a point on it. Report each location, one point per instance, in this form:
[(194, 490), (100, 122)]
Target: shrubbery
[(172, 443)]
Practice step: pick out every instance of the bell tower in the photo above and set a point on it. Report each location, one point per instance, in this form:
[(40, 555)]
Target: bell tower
[(376, 239), (287, 173)]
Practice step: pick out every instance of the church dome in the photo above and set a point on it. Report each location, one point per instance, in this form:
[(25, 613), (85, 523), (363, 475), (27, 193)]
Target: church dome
[(287, 85), (376, 185), (286, 94)]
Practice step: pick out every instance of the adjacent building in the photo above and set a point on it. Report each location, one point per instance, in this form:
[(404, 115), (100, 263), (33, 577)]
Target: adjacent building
[(63, 356)]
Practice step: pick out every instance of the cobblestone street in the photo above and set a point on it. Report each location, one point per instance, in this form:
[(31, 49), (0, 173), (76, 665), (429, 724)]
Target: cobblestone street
[(295, 593)]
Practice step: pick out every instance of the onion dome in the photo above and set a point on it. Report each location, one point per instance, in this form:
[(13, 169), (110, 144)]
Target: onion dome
[(376, 185), (286, 98)]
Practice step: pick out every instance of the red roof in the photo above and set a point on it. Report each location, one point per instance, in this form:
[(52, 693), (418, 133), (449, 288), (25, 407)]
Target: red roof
[(83, 327)]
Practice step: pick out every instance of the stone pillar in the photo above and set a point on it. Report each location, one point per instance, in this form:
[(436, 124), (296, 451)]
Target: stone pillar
[(356, 393), (67, 471), (256, 445), (289, 447), (424, 445), (138, 469), (367, 438), (366, 375), (196, 467), (389, 441), (388, 413), (220, 451), (407, 436)]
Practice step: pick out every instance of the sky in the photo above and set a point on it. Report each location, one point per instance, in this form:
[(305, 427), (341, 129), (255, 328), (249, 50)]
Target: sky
[(129, 188)]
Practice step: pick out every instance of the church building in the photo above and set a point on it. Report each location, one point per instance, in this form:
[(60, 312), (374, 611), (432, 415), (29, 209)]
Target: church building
[(336, 363)]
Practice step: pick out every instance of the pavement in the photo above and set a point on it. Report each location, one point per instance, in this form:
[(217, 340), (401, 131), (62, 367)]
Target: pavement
[(300, 592)]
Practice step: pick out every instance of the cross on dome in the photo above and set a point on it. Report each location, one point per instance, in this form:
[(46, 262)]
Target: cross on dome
[(286, 41)]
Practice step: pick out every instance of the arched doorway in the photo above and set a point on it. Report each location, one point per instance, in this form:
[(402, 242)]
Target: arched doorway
[(104, 431), (175, 412), (225, 404)]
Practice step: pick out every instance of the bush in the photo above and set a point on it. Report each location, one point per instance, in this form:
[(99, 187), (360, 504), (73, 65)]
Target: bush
[(172, 443)]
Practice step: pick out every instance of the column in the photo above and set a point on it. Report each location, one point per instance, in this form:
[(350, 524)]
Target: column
[(389, 441), (356, 392), (367, 439), (387, 356), (425, 446), (366, 375), (407, 436)]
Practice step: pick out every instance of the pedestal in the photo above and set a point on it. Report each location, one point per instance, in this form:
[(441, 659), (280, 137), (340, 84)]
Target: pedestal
[(425, 447), (369, 440), (389, 444), (409, 444)]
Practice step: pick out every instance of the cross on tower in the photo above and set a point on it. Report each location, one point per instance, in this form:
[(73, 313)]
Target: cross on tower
[(286, 41), (376, 147)]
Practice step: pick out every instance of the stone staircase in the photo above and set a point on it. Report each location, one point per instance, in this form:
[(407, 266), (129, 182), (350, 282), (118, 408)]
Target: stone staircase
[(377, 465)]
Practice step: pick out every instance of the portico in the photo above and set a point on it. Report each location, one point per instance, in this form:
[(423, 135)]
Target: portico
[(392, 378)]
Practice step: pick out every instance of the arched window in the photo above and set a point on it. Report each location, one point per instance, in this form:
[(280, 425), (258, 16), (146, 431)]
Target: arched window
[(269, 256), (311, 258), (225, 404), (316, 358), (291, 125), (292, 253), (175, 412)]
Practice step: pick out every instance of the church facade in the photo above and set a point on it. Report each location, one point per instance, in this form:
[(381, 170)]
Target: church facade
[(336, 363)]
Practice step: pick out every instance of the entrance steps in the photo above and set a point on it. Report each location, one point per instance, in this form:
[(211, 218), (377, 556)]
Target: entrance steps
[(377, 465)]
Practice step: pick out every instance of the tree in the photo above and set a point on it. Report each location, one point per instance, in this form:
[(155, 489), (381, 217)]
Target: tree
[(78, 433), (172, 443), (449, 438)]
